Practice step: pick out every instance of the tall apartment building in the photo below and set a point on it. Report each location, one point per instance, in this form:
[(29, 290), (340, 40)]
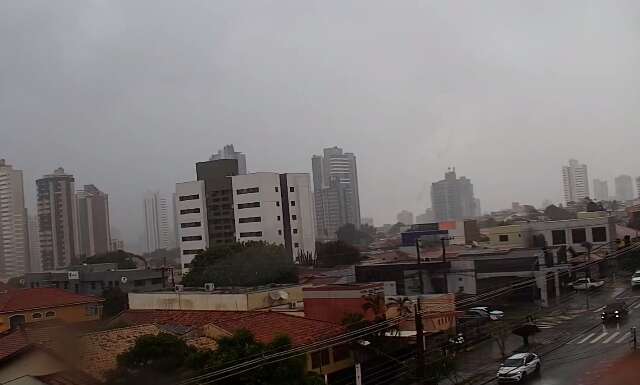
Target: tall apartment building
[(624, 188), (14, 236), (426, 217), (600, 190), (276, 208), (405, 217), (228, 152), (57, 219), (156, 215), (575, 181), (638, 186), (34, 243), (191, 208), (94, 230), (452, 198), (336, 193)]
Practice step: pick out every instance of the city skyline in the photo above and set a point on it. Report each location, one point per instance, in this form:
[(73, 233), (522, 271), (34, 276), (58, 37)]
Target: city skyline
[(406, 115)]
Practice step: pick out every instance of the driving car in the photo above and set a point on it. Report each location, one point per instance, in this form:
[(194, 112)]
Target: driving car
[(484, 311), (518, 367), (614, 312), (586, 284), (635, 279)]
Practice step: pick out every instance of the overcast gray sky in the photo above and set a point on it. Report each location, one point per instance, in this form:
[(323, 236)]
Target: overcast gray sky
[(128, 95)]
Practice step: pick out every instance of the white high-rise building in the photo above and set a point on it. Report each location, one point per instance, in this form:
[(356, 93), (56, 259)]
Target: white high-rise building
[(405, 217), (638, 186), (156, 214), (575, 181), (228, 152), (624, 188), (57, 220), (191, 213), (600, 190), (14, 247), (94, 230), (276, 208)]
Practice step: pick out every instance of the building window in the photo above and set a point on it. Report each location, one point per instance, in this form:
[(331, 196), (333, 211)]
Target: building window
[(277, 189), (192, 238), (140, 282), (296, 245), (191, 251), (93, 285), (320, 359), (599, 234), (248, 205), (278, 217), (295, 231), (189, 197), (293, 203), (248, 190), (190, 224), (50, 314), (341, 353), (92, 310), (279, 232), (156, 281), (249, 219), (186, 266), (504, 238), (278, 203), (251, 234), (292, 189), (294, 217), (559, 237), (190, 211), (36, 315), (578, 235)]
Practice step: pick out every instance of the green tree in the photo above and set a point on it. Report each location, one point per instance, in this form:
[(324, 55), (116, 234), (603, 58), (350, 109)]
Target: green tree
[(242, 264), (556, 213), (124, 259), (242, 344), (396, 229), (170, 257), (348, 233), (335, 253), (115, 302)]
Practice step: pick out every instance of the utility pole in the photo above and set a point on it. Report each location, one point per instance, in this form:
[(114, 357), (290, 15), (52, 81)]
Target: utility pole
[(444, 250), (420, 364), (358, 374), (419, 267)]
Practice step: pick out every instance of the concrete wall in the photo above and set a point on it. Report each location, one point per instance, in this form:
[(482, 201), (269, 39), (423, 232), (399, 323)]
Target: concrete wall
[(462, 276), (68, 314), (187, 243), (514, 235)]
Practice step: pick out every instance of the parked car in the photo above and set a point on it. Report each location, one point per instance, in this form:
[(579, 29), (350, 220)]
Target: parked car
[(518, 367), (635, 279), (614, 312), (483, 311), (586, 284)]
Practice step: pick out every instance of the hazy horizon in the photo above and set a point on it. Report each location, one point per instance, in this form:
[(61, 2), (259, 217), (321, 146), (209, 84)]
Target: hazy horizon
[(129, 95)]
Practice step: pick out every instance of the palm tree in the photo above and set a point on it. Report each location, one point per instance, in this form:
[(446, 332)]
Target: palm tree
[(405, 309), (375, 303)]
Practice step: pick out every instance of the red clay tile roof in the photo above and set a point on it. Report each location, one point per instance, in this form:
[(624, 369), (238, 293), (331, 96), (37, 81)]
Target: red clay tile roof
[(41, 298), (263, 324), (13, 344)]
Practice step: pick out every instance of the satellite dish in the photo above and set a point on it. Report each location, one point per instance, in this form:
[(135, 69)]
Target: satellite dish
[(124, 279), (283, 294), (275, 295)]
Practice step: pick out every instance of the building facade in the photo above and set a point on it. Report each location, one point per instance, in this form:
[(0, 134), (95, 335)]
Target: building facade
[(575, 180), (57, 219), (638, 186), (600, 190), (34, 243), (14, 233), (624, 188), (156, 215), (336, 192), (228, 152), (94, 230), (452, 198), (276, 208), (405, 217), (191, 213)]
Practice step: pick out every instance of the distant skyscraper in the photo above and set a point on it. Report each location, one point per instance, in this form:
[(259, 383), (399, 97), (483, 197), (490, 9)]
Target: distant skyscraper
[(426, 217), (367, 221), (575, 181), (624, 188), (228, 152), (478, 208), (156, 215), (14, 247), (57, 219), (452, 198), (34, 244), (638, 186), (335, 183), (405, 217), (94, 230), (600, 190)]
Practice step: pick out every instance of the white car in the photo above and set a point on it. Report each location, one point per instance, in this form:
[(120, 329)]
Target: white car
[(635, 279), (484, 311), (518, 367)]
